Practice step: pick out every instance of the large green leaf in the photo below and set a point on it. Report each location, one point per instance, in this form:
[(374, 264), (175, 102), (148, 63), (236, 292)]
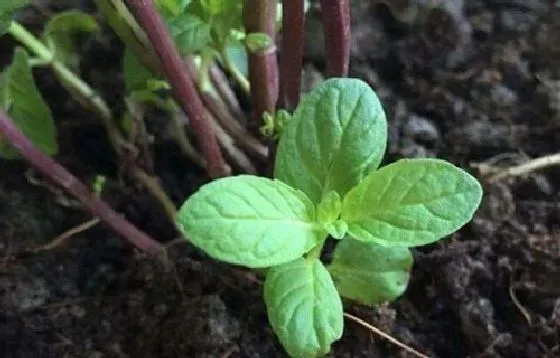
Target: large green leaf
[(191, 34), (8, 9), (304, 308), (59, 34), (250, 221), (337, 136), (21, 99), (370, 273), (411, 202)]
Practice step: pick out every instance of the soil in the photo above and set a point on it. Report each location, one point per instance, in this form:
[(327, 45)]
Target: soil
[(472, 82)]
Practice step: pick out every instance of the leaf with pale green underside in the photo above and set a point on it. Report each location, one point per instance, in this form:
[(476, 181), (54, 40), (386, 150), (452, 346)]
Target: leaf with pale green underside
[(370, 273), (303, 307), (60, 31), (250, 221), (190, 33), (337, 135), (8, 9), (411, 202), (23, 102), (237, 55)]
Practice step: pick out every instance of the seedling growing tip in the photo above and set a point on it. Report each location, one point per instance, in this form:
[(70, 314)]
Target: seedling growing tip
[(328, 182)]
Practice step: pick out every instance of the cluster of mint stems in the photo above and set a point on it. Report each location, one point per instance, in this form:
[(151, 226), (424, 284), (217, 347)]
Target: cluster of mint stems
[(268, 90)]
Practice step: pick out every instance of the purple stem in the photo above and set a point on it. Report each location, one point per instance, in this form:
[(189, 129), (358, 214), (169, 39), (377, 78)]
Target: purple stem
[(260, 16), (72, 185), (336, 28), (182, 85), (291, 55)]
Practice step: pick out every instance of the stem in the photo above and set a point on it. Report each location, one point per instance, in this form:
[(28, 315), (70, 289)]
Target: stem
[(228, 96), (291, 55), (239, 78), (336, 28), (181, 84), (71, 82), (237, 156), (238, 133), (73, 186), (260, 16), (218, 110), (125, 26), (183, 141), (155, 189)]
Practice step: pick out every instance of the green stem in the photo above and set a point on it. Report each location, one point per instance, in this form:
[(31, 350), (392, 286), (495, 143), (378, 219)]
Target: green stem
[(125, 26), (238, 77), (71, 81)]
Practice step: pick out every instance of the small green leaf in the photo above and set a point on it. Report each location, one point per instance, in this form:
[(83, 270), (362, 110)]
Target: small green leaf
[(191, 34), (136, 75), (22, 100), (411, 202), (369, 273), (59, 32), (250, 221), (257, 42), (304, 308), (8, 9), (337, 135), (329, 208), (337, 229)]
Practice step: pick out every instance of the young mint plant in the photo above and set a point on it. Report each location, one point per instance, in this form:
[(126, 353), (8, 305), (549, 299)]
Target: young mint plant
[(327, 182)]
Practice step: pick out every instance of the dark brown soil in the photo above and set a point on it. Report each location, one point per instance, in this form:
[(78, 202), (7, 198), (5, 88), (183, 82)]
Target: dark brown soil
[(475, 86)]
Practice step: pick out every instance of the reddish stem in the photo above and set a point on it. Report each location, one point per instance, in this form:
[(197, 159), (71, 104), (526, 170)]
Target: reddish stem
[(181, 84), (260, 16), (336, 28), (292, 53), (73, 186)]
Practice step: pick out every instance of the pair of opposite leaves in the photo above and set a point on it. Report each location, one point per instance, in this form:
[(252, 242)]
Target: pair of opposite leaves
[(330, 149)]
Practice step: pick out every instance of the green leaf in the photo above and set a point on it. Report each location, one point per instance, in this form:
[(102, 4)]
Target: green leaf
[(337, 135), (328, 212), (59, 34), (304, 308), (330, 207), (250, 221), (237, 55), (370, 273), (136, 75), (221, 7), (257, 42), (191, 34), (337, 229), (411, 202), (8, 9), (21, 99), (171, 8)]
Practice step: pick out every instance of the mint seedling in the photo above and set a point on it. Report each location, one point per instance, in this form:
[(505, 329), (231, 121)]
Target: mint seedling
[(328, 182)]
